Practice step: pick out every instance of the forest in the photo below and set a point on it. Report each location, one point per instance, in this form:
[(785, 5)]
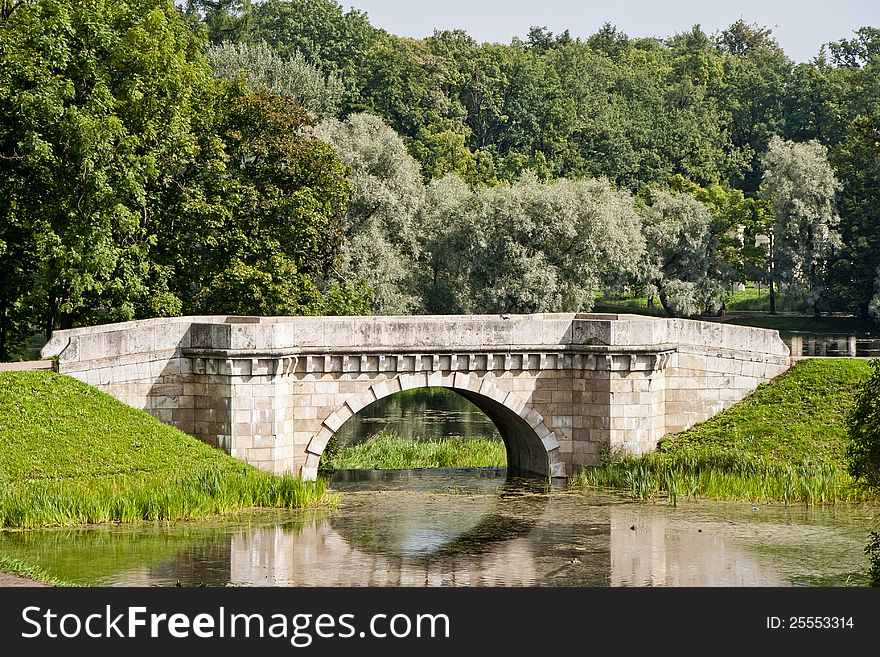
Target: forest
[(288, 157)]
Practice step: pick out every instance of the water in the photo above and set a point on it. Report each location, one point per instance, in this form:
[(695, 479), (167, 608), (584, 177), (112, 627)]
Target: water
[(418, 414), (838, 346), (469, 527)]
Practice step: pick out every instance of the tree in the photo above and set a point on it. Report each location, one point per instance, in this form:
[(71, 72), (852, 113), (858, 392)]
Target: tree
[(681, 257), (291, 77), (733, 218), (380, 243), (259, 210), (800, 184), (95, 106), (755, 85), (853, 272), (526, 247)]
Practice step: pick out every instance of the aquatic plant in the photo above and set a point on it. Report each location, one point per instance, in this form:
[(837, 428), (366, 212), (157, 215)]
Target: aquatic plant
[(713, 473), (386, 451), (152, 497)]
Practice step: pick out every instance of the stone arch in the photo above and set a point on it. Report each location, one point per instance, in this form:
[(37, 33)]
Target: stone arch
[(532, 448)]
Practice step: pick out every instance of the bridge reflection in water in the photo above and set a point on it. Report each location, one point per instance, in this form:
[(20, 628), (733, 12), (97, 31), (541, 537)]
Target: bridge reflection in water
[(398, 548), (418, 535)]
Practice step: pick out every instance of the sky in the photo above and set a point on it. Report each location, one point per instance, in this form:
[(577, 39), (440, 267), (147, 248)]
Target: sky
[(800, 27)]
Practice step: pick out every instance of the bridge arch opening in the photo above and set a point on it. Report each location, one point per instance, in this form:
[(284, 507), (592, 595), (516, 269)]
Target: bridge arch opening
[(530, 446)]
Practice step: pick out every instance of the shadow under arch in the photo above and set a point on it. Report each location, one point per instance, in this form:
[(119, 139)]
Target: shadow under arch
[(532, 448), (515, 511)]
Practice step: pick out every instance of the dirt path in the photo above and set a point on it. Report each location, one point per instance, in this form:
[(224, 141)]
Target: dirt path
[(14, 580)]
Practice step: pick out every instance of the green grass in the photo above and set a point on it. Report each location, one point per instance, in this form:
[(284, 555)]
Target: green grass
[(759, 300), (385, 451), (71, 455), (785, 442)]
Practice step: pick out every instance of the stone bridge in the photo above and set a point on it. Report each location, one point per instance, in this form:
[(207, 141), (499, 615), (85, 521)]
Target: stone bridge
[(561, 388)]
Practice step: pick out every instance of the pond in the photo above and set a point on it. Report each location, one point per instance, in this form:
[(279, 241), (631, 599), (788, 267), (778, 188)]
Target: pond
[(469, 527)]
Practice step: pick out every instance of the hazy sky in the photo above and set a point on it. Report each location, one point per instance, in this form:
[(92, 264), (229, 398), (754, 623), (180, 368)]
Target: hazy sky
[(799, 26)]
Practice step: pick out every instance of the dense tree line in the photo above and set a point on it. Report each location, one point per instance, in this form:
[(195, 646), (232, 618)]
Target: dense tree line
[(280, 157)]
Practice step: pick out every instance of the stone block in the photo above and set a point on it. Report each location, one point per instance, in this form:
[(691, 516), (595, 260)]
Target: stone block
[(560, 421), (515, 403), (412, 381), (319, 442)]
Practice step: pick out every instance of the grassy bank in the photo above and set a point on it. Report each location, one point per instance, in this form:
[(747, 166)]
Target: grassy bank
[(785, 443), (385, 451), (70, 455)]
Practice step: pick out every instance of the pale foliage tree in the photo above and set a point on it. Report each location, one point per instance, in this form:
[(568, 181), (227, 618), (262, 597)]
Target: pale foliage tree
[(527, 247), (291, 77), (800, 184), (380, 244), (874, 305), (451, 244), (681, 257)]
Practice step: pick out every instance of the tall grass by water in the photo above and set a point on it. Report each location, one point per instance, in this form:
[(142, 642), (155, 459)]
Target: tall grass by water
[(714, 474), (151, 497), (387, 451), (71, 455), (784, 443)]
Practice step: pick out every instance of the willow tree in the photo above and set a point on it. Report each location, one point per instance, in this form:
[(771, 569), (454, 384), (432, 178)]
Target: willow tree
[(291, 76), (527, 247), (682, 255), (380, 242), (800, 184)]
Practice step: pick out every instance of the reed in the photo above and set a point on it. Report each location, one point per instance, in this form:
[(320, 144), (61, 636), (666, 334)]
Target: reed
[(386, 451), (154, 497), (714, 474)]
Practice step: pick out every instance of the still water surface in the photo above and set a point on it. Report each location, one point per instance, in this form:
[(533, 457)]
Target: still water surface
[(469, 527)]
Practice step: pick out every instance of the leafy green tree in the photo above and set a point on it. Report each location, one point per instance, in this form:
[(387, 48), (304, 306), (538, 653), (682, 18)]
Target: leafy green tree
[(226, 20), (19, 264), (755, 84), (95, 100), (253, 223), (732, 216), (292, 76), (800, 184), (863, 427), (336, 41), (853, 272)]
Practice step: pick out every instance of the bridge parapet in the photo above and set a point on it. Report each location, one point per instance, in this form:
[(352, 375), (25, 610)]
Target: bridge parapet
[(562, 388)]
